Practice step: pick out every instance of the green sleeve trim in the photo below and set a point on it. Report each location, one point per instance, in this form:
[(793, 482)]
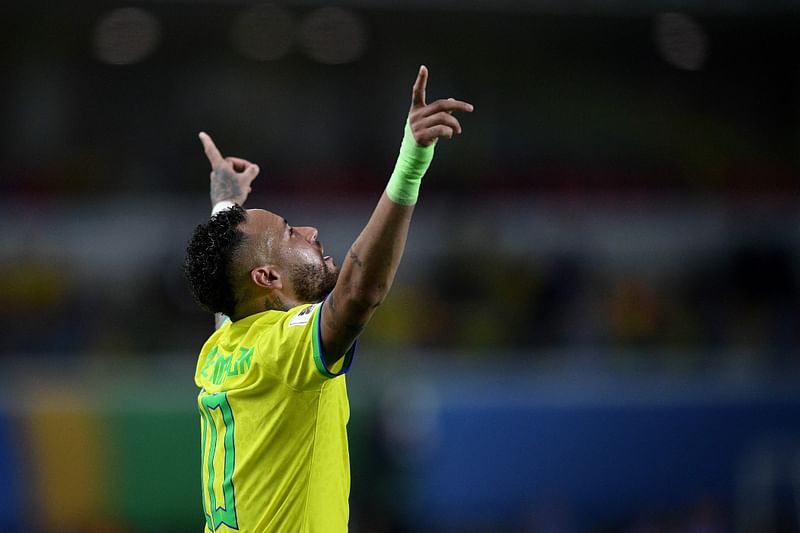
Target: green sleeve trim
[(316, 342)]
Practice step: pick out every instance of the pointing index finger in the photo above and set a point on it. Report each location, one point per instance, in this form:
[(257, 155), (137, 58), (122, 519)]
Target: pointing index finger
[(418, 93), (212, 153)]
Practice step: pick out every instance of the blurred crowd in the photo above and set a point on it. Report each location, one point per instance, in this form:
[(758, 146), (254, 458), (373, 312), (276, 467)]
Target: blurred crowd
[(741, 300)]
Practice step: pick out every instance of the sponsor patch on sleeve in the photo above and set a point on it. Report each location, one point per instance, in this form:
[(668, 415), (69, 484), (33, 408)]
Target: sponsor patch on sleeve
[(302, 317)]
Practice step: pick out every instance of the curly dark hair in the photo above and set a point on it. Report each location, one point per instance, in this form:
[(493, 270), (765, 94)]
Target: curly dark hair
[(209, 260)]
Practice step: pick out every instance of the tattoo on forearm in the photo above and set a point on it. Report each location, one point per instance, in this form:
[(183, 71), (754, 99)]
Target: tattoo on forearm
[(355, 259), (224, 186)]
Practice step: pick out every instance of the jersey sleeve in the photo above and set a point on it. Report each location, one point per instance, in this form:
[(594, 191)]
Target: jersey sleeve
[(301, 360)]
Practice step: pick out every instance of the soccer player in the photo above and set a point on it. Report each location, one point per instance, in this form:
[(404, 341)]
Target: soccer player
[(273, 399)]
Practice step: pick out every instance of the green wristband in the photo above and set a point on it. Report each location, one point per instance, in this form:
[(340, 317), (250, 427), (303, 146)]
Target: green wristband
[(413, 161)]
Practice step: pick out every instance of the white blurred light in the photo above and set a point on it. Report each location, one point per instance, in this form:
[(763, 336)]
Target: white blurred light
[(680, 40), (263, 32), (126, 35), (333, 35)]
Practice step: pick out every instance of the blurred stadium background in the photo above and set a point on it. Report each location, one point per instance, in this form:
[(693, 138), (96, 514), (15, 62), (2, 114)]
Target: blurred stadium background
[(595, 327)]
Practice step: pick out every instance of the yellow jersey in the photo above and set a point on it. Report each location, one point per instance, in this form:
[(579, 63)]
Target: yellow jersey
[(273, 423)]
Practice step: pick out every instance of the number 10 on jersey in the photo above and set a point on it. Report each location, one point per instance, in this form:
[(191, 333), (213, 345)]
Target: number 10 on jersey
[(219, 459)]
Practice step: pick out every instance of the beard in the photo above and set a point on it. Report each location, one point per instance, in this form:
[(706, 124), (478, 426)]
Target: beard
[(313, 282)]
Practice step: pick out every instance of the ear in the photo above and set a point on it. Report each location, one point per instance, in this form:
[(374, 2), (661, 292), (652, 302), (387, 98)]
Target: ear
[(267, 277)]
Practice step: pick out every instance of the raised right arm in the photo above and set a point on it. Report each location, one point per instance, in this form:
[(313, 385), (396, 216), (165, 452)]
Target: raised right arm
[(370, 266)]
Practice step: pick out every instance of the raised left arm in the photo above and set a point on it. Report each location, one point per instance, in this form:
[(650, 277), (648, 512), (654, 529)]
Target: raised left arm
[(230, 184), (230, 176)]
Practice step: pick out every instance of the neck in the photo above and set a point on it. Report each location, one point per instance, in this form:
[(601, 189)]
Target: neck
[(274, 302), (271, 302)]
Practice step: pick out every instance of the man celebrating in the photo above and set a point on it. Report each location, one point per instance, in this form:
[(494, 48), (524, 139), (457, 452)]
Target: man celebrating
[(273, 399)]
